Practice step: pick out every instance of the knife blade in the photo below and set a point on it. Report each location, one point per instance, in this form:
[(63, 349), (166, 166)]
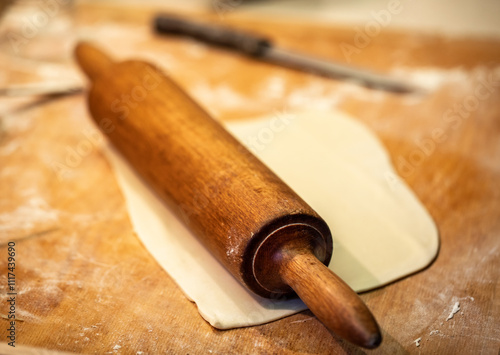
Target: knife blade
[(262, 48)]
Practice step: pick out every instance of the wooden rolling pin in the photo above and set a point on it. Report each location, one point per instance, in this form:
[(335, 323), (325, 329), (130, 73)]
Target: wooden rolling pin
[(249, 219)]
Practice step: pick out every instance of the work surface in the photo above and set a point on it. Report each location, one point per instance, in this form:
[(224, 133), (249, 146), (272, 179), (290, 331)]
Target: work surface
[(86, 284)]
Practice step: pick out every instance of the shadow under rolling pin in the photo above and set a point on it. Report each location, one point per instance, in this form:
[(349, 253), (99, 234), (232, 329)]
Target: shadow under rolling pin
[(278, 243)]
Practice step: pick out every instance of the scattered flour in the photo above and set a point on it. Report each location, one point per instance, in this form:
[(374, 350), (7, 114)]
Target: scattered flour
[(27, 316), (431, 78), (456, 308), (321, 94), (34, 211), (417, 341), (223, 95), (302, 320)]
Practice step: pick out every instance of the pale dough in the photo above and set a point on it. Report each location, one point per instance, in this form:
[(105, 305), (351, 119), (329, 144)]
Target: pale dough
[(381, 231)]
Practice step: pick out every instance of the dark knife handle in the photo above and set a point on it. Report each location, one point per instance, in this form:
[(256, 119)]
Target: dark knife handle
[(225, 37)]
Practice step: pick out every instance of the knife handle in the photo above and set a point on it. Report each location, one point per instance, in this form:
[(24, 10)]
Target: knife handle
[(246, 43)]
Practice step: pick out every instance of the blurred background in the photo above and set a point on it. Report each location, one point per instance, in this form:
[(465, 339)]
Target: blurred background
[(35, 32), (458, 17)]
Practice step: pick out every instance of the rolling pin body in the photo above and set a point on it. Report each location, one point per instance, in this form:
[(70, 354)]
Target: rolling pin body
[(250, 220)]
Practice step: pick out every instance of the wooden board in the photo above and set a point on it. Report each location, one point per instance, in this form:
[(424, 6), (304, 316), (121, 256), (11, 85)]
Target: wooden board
[(86, 284)]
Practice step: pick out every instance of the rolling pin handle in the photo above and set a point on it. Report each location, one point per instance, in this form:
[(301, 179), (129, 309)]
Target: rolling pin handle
[(92, 61), (333, 302)]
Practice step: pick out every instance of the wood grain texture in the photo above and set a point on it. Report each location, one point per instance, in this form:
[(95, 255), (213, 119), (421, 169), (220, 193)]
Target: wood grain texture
[(87, 285)]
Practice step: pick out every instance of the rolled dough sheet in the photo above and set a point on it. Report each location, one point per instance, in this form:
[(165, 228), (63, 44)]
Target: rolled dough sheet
[(381, 231)]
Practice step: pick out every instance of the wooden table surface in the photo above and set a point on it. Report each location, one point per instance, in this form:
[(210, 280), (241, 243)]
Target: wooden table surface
[(86, 284)]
